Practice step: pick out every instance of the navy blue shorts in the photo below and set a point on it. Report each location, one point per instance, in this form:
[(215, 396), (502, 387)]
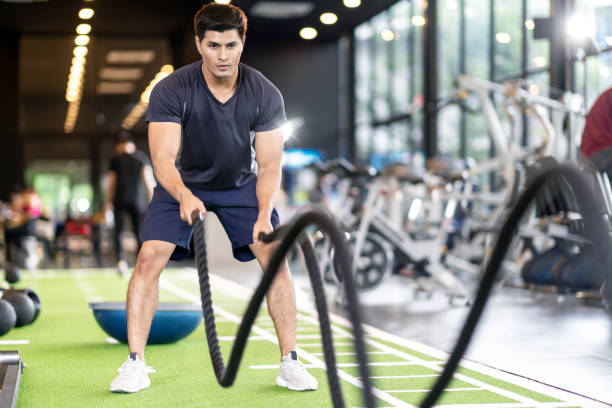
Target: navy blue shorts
[(237, 210)]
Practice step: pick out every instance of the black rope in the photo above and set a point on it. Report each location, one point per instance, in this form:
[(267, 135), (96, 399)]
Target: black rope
[(595, 230), (227, 374)]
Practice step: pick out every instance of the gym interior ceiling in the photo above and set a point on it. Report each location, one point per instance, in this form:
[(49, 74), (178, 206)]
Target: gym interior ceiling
[(47, 31)]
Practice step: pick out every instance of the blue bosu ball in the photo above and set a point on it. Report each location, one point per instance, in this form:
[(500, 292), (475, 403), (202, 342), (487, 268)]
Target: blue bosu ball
[(172, 321)]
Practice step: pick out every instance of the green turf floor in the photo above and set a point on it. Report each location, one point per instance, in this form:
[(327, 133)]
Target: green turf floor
[(70, 363)]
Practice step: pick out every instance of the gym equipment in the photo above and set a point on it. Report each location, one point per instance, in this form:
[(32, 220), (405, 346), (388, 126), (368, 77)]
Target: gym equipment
[(374, 263), (171, 322), (424, 253), (34, 297), (11, 361), (11, 273), (595, 231), (290, 234), (23, 305), (582, 271), (8, 317), (539, 270)]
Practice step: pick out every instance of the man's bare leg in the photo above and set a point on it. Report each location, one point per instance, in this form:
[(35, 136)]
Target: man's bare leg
[(143, 292), (280, 299)]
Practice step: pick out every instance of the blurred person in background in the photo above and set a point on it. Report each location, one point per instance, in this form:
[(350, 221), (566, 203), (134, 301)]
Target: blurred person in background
[(129, 169), (19, 221), (596, 144)]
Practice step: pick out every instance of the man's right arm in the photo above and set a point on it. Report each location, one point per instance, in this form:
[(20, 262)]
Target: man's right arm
[(164, 145)]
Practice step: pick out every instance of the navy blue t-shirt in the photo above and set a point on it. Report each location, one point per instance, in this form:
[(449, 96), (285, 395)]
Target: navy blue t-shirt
[(217, 138)]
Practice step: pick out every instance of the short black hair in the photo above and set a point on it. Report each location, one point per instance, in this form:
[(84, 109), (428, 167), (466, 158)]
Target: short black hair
[(220, 17)]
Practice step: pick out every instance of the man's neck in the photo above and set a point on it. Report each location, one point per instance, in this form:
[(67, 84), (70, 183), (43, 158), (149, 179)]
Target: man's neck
[(221, 84)]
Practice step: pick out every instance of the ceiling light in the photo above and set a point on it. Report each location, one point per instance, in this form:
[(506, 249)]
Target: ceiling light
[(363, 32), (503, 38), (130, 57), (308, 33), (116, 74), (539, 61), (352, 3), (115, 88), (580, 27), (387, 35), (83, 29), (168, 69), (328, 18), (534, 89), (281, 9), (418, 21), (86, 13), (76, 69), (223, 1), (81, 40), (141, 107), (80, 51), (78, 60), (530, 24)]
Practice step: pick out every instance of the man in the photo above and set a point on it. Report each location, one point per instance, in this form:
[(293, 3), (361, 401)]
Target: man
[(19, 222), (596, 144), (127, 168), (221, 119)]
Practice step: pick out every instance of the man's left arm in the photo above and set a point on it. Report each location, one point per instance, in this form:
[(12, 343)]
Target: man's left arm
[(268, 153)]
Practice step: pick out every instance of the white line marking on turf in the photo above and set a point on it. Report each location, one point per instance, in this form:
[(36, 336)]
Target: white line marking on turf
[(241, 292), (385, 363), (573, 400), (388, 377), (350, 353), (232, 338), (275, 366), (13, 342), (435, 366), (305, 355), (110, 340), (510, 405), (446, 390), (318, 336), (338, 343)]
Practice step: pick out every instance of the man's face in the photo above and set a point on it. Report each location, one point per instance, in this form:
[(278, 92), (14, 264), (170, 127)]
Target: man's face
[(220, 52)]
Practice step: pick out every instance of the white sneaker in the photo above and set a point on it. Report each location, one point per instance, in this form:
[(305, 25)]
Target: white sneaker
[(294, 376), (132, 376)]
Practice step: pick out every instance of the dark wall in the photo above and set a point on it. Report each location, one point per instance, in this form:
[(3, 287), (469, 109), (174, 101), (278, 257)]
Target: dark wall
[(307, 76), (11, 153)]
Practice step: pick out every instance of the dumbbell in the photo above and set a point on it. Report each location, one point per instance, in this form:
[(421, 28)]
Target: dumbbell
[(11, 273), (8, 317), (26, 304)]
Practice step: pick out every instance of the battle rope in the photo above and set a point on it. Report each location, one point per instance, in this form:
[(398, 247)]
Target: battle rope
[(595, 231), (227, 374)]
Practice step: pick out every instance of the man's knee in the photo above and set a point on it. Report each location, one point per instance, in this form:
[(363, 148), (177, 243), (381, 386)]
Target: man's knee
[(152, 257)]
